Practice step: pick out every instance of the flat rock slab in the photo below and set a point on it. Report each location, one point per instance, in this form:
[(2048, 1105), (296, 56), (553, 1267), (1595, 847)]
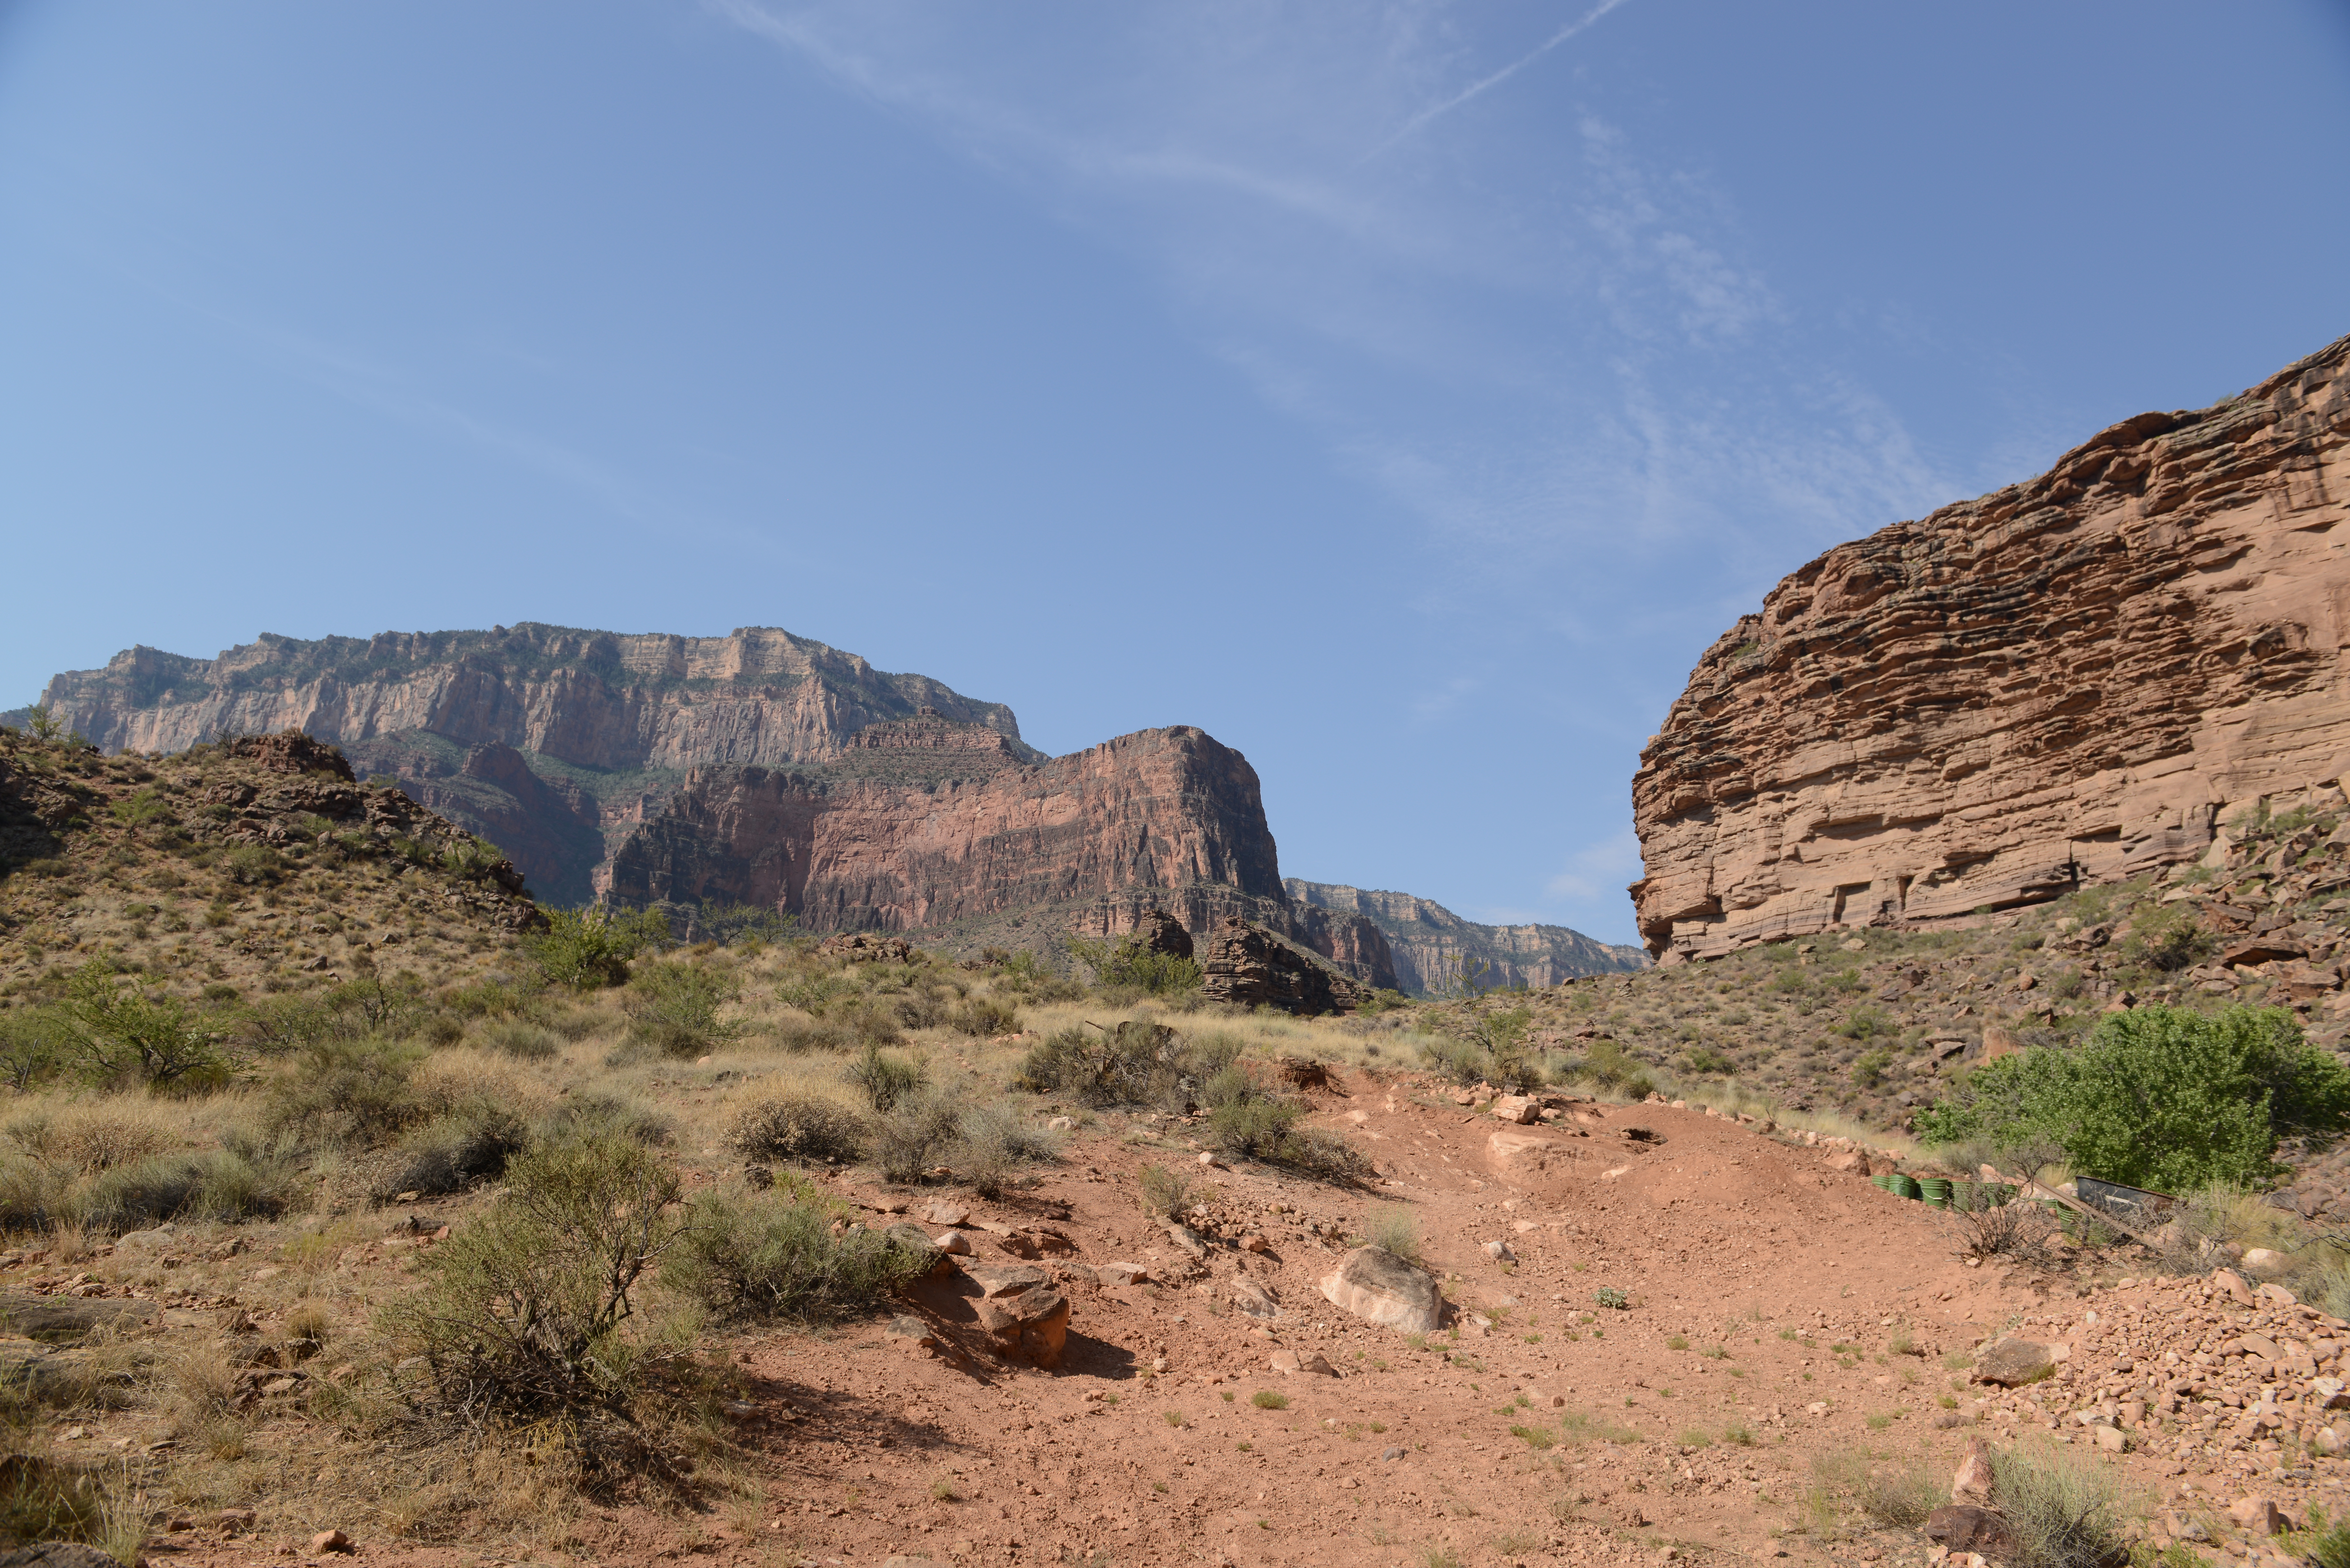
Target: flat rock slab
[(1379, 1287), (53, 1319), (1004, 1279)]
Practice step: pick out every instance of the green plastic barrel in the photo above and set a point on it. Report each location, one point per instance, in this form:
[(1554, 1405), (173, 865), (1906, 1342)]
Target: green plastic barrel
[(1882, 1183), (1964, 1197), (1907, 1185), (1935, 1189)]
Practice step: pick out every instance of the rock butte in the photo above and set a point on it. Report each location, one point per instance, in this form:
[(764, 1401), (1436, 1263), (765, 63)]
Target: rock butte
[(2065, 683)]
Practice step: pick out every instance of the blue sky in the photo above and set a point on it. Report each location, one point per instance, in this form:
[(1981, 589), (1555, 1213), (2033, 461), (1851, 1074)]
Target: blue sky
[(1407, 394)]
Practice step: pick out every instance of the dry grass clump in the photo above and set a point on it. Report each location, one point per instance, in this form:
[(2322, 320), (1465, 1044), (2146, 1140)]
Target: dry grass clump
[(774, 1254), (798, 1127), (2067, 1508)]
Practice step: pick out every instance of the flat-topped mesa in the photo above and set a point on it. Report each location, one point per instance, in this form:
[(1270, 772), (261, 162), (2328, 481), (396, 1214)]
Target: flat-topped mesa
[(2062, 683)]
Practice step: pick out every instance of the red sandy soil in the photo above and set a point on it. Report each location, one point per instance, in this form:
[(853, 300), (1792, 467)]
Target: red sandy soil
[(1716, 1232)]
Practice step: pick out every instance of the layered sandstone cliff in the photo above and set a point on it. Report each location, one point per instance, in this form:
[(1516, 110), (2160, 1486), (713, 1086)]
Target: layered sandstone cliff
[(1432, 944), (928, 825), (554, 741), (2063, 682)]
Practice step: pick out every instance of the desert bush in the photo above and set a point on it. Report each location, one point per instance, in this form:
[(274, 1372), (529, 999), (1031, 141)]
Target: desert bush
[(1393, 1228), (253, 864), (613, 1115), (800, 1038), (994, 1140), (31, 1051), (739, 924), (452, 1152), (118, 1037), (797, 1127), (342, 1093), (527, 1316), (1456, 1061), (915, 1134), (2159, 1098), (591, 947), (2167, 937), (812, 993), (1266, 1129), (980, 1016), (2066, 1509), (1164, 1193), (764, 1255), (2018, 1231), (215, 1184), (86, 1140), (673, 1008), (45, 1500), (1607, 1064), (1894, 1496), (524, 1042), (1131, 1063), (885, 1080), (1127, 964), (28, 1193)]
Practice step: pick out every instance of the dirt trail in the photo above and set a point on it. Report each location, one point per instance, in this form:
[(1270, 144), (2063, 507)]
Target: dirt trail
[(1543, 1427)]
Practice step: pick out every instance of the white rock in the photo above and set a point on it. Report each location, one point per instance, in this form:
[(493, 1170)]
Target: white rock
[(1500, 1253)]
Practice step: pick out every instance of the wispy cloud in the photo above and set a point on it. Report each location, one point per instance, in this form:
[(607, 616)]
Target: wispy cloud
[(1599, 871), (1486, 84)]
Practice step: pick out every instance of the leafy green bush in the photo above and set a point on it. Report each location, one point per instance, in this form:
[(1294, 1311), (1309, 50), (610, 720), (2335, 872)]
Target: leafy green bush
[(253, 863), (591, 947), (735, 924), (115, 1036), (885, 1079), (2166, 938), (673, 1008), (1262, 1128), (1132, 1064), (31, 1051), (773, 1255), (526, 1315), (347, 1093), (2159, 1097), (1128, 963), (472, 858), (798, 1127)]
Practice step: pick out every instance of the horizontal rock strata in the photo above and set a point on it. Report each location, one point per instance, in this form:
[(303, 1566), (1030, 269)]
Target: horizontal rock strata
[(2064, 682)]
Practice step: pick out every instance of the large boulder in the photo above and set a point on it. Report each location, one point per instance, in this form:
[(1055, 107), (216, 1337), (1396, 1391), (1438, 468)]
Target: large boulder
[(1379, 1287), (2012, 1363), (1249, 967), (1160, 932), (1027, 1317)]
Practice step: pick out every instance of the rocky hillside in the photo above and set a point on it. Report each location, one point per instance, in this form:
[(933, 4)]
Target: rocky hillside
[(937, 829), (255, 865), (551, 740), (1872, 1022), (2062, 684), (1432, 944)]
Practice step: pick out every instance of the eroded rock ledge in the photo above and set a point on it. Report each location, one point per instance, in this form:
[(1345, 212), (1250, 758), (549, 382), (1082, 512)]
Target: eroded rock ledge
[(2063, 682)]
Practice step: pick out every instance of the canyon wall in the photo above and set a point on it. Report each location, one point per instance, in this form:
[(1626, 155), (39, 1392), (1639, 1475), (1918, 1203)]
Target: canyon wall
[(927, 825), (1431, 943), (2064, 682), (553, 741)]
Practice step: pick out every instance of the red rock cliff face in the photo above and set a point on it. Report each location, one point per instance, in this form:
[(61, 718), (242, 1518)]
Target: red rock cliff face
[(1159, 809), (2061, 683)]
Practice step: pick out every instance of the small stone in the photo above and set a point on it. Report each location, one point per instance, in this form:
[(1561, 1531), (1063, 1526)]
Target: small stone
[(1120, 1273), (2266, 1262), (1500, 1253), (954, 1243), (1253, 1242), (1061, 1124), (2111, 1439), (2239, 1291), (1207, 1158), (951, 1216), (330, 1540), (2012, 1363), (1972, 1483), (1392, 1453)]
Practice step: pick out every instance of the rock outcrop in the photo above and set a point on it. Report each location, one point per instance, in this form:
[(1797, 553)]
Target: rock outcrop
[(1430, 944), (2065, 683), (602, 726), (1246, 966)]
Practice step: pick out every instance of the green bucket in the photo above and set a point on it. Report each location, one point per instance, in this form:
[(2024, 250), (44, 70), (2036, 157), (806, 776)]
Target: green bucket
[(1907, 1185), (1883, 1183), (1965, 1197), (1935, 1189)]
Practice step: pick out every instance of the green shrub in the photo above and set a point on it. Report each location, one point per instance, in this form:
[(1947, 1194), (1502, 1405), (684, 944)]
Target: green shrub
[(474, 859), (773, 1255), (1131, 1063), (885, 1079), (115, 1036), (673, 1008), (2067, 1509), (591, 947), (2159, 1097), (1164, 1193), (994, 1140), (347, 1093), (31, 1049), (1393, 1228), (739, 924), (1266, 1129), (980, 1016), (215, 1183), (254, 864), (524, 1042), (526, 1315), (915, 1135), (2167, 937), (1128, 963), (454, 1152), (797, 1127)]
